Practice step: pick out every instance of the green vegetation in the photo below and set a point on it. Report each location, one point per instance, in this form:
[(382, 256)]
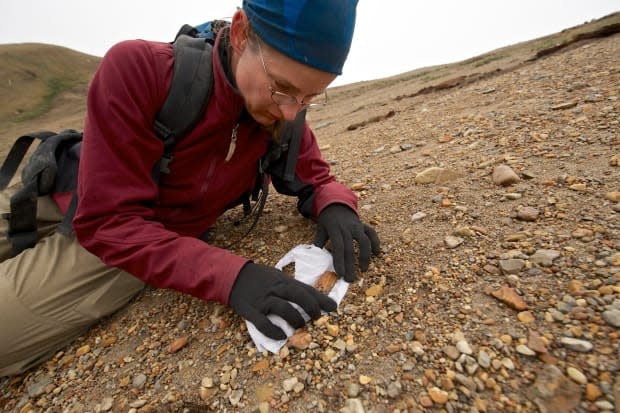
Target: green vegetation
[(548, 43), (490, 59), (34, 76), (484, 59), (54, 87), (429, 77)]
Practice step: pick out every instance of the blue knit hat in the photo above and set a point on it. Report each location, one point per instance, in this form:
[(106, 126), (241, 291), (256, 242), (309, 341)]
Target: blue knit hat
[(317, 33)]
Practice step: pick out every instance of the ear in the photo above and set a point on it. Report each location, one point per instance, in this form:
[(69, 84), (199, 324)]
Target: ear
[(239, 31)]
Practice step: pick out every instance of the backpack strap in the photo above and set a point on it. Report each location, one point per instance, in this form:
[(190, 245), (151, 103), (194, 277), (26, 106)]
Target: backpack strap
[(66, 225), (40, 176), (289, 143), (16, 155), (293, 133), (189, 93), (22, 227)]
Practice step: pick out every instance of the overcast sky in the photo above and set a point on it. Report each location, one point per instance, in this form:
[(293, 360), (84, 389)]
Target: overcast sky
[(391, 36)]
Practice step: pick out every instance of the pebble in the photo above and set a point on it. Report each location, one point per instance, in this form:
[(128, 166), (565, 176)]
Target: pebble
[(592, 392), (511, 266), (358, 186), (466, 381), (604, 405), (438, 395), (510, 297), (452, 352), (612, 317), (565, 105), (576, 375), (289, 384), (544, 257), (353, 406), (613, 196), (491, 269), (207, 382), (38, 387), (504, 175), (82, 350), (614, 259), (508, 363), (464, 347), (138, 381), (484, 360), (513, 196), (138, 403), (106, 404), (525, 350), (535, 342), (425, 401), (418, 216), (526, 317), (235, 397), (394, 389), (574, 344), (177, 344), (452, 242), (353, 389), (527, 214), (374, 290), (579, 187), (364, 380)]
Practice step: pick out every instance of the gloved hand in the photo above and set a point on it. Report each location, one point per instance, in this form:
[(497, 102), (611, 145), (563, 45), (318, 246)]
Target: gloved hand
[(260, 290), (341, 225)]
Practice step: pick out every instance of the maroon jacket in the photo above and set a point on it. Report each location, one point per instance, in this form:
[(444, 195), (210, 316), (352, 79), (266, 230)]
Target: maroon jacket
[(151, 230)]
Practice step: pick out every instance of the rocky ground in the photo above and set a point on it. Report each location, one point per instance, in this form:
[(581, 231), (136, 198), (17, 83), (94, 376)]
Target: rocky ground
[(498, 289)]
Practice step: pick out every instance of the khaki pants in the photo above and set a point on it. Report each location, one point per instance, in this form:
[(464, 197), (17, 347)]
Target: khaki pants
[(52, 293)]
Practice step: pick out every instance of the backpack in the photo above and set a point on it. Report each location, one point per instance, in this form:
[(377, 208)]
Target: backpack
[(53, 165)]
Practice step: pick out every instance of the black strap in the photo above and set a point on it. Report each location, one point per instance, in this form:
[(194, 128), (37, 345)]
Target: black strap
[(66, 226), (189, 93), (22, 231), (16, 155), (294, 131)]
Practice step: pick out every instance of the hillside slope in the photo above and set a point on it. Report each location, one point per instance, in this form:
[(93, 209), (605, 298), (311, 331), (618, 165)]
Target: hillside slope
[(42, 83)]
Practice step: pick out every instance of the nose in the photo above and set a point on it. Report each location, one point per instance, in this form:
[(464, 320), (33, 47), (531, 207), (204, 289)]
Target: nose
[(289, 112)]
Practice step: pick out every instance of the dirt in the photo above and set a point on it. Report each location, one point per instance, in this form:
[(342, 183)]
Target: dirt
[(424, 330)]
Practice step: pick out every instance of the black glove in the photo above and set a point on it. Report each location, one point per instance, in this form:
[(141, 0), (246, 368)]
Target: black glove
[(260, 290), (341, 225)]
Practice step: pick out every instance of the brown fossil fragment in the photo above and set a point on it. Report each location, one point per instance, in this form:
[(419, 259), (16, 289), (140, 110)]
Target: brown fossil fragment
[(326, 282)]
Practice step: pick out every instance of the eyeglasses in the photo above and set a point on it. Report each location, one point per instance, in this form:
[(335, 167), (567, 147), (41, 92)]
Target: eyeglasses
[(283, 99)]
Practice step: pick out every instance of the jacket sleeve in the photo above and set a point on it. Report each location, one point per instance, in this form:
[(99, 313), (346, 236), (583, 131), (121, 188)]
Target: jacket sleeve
[(114, 219), (312, 184)]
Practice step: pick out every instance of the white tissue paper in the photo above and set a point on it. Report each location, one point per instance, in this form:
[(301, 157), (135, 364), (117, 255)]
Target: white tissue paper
[(310, 262)]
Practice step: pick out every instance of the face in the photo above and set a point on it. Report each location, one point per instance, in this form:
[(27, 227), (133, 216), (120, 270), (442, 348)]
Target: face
[(264, 76)]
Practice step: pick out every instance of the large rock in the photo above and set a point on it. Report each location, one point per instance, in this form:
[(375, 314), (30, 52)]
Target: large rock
[(428, 176), (553, 392), (504, 175), (436, 175), (527, 213), (544, 257), (447, 175)]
